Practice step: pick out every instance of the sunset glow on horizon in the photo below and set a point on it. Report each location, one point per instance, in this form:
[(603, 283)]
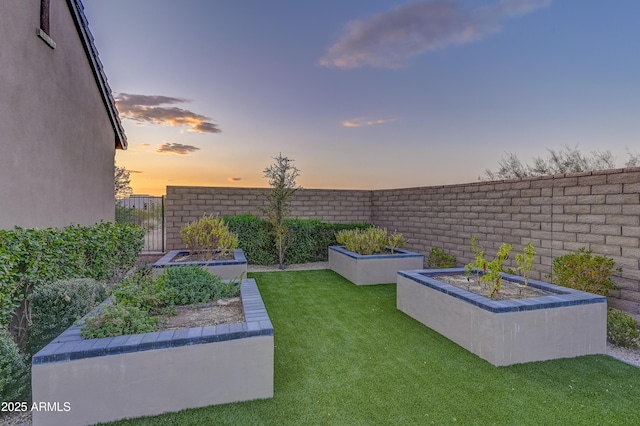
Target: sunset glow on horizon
[(364, 95)]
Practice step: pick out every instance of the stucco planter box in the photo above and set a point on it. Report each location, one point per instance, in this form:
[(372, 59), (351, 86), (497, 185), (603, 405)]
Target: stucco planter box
[(146, 374), (372, 269), (567, 324), (225, 269)]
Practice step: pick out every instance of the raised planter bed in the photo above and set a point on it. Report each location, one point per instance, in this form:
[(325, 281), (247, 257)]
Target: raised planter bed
[(226, 269), (146, 374), (567, 324), (372, 269)]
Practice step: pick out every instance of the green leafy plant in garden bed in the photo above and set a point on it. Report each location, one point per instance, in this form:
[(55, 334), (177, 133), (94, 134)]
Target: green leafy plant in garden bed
[(139, 300), (492, 269), (369, 241), (209, 236)]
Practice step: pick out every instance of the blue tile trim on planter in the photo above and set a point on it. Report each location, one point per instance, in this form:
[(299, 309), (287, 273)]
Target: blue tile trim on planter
[(70, 346), (167, 260), (400, 254), (562, 296)]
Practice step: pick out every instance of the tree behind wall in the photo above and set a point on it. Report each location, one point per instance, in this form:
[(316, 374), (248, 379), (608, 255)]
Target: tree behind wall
[(564, 160), (122, 182), (282, 176)]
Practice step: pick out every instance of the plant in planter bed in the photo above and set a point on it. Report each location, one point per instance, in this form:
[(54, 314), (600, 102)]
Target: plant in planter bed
[(140, 300), (208, 236), (490, 271), (371, 256), (584, 271), (370, 240)]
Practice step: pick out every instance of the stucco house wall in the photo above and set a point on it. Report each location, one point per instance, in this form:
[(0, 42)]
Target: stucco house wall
[(57, 129)]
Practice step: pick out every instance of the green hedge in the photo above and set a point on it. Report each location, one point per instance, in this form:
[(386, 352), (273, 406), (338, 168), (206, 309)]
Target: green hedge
[(307, 240), (33, 257)]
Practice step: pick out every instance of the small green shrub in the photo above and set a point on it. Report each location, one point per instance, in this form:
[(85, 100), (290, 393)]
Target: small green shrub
[(490, 271), (117, 320), (368, 241), (584, 271), (440, 259), (207, 236), (525, 262), (13, 369), (142, 291), (188, 285), (622, 329), (56, 306)]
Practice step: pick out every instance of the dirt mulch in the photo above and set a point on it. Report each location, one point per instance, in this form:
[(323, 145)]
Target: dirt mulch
[(510, 290), (223, 311)]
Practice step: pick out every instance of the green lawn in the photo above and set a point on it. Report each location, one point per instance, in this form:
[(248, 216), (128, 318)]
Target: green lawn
[(344, 355)]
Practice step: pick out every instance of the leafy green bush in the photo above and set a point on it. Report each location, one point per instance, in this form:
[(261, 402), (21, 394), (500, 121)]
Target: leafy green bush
[(306, 241), (440, 259), (584, 271), (207, 236), (119, 319), (56, 306), (254, 237), (111, 249), (188, 285), (369, 241), (13, 369), (622, 329), (34, 257), (142, 291)]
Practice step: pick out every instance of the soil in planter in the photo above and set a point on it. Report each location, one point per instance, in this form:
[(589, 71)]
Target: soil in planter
[(202, 257), (510, 290), (223, 311)]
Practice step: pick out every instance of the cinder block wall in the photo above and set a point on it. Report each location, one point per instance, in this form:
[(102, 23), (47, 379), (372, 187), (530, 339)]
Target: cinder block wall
[(598, 210), (184, 204)]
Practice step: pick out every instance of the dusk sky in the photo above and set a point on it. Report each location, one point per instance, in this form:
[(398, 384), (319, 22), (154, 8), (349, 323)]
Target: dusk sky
[(364, 94)]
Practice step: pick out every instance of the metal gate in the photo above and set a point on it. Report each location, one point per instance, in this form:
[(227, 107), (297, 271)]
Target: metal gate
[(148, 212)]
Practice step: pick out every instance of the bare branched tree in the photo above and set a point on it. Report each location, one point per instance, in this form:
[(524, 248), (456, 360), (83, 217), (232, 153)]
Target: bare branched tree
[(564, 160)]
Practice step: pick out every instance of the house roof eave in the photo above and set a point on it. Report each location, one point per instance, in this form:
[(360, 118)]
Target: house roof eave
[(77, 12)]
